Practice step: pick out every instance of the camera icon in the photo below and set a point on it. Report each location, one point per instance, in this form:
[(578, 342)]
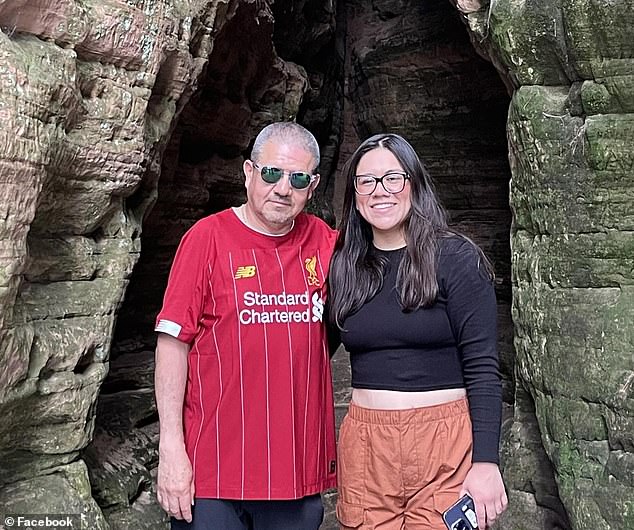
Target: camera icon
[(471, 517)]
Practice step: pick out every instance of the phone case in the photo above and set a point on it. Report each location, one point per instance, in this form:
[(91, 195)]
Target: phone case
[(461, 515)]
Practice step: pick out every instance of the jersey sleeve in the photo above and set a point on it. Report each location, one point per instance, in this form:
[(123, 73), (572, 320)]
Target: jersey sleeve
[(184, 296), (472, 310)]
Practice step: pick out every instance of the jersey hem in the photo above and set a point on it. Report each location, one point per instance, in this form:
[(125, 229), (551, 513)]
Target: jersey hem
[(276, 495)]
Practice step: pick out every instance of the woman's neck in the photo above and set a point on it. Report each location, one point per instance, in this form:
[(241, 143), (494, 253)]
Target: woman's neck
[(388, 241)]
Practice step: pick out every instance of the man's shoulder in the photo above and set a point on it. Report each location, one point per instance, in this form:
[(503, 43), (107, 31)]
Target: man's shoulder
[(211, 222), (312, 222), (315, 231)]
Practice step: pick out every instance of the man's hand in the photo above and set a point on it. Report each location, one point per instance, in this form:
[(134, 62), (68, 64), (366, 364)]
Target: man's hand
[(484, 484), (175, 484)]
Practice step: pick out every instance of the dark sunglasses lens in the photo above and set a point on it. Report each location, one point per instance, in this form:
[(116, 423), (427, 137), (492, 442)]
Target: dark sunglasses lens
[(300, 180), (271, 174)]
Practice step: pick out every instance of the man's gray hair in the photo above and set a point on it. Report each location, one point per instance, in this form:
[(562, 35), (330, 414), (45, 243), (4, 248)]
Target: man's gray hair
[(286, 132)]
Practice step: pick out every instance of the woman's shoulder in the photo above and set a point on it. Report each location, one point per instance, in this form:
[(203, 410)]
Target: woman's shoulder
[(459, 255), (453, 244)]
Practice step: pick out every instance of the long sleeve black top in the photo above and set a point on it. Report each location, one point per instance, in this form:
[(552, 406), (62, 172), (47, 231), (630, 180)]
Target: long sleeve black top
[(451, 344)]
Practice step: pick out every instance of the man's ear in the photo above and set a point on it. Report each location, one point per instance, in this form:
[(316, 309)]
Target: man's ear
[(248, 168), (313, 186)]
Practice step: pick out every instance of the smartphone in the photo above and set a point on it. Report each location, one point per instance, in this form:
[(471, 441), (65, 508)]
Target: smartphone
[(461, 515)]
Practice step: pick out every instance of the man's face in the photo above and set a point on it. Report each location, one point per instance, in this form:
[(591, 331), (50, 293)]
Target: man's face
[(272, 207)]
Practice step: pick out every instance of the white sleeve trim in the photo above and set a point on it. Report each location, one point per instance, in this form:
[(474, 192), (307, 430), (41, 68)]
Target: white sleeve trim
[(169, 327)]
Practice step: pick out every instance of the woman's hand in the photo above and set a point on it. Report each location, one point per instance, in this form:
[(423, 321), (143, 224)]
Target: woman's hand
[(484, 484)]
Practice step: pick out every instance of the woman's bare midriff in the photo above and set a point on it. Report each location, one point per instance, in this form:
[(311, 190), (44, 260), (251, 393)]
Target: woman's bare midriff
[(397, 400)]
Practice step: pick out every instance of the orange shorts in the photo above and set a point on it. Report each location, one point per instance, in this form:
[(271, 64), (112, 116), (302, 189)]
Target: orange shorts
[(400, 469)]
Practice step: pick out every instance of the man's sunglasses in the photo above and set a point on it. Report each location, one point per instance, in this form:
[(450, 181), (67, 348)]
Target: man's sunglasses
[(298, 179)]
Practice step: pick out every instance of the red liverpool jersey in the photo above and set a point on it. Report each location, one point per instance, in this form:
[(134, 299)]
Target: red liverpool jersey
[(258, 413)]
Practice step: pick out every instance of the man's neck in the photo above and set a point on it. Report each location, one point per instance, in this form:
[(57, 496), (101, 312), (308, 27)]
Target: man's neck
[(242, 212)]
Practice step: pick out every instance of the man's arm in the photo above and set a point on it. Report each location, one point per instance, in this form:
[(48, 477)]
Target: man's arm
[(175, 486)]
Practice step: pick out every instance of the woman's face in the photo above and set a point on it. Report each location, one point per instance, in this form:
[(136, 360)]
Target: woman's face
[(384, 211)]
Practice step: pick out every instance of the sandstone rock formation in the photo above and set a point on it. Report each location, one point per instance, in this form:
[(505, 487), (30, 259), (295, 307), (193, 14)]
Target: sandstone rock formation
[(571, 140), (124, 121)]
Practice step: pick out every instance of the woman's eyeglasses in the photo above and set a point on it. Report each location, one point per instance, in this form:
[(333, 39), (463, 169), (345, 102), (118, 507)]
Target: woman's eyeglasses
[(392, 182), (298, 179)]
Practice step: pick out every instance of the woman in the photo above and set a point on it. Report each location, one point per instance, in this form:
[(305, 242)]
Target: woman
[(415, 305)]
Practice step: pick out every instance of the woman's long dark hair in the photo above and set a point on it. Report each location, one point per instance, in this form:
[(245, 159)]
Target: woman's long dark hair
[(356, 273)]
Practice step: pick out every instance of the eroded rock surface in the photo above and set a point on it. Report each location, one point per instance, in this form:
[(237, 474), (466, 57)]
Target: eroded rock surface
[(571, 142)]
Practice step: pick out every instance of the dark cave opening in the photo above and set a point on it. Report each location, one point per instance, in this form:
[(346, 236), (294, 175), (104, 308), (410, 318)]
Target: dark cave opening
[(404, 67)]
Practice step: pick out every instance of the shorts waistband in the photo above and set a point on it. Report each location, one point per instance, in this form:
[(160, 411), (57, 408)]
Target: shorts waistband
[(419, 415)]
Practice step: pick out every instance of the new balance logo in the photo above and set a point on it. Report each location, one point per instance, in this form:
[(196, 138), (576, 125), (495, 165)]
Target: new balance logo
[(248, 271)]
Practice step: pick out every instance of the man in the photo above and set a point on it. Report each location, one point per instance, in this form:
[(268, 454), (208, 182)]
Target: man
[(242, 379)]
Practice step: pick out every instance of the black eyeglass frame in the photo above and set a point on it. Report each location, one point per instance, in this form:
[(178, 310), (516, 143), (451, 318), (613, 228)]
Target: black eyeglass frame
[(403, 174), (292, 176)]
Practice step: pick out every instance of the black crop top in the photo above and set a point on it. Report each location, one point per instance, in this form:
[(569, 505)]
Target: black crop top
[(451, 344)]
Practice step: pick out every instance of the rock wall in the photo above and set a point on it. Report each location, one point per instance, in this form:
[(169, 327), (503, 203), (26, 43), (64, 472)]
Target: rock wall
[(83, 116), (571, 145)]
